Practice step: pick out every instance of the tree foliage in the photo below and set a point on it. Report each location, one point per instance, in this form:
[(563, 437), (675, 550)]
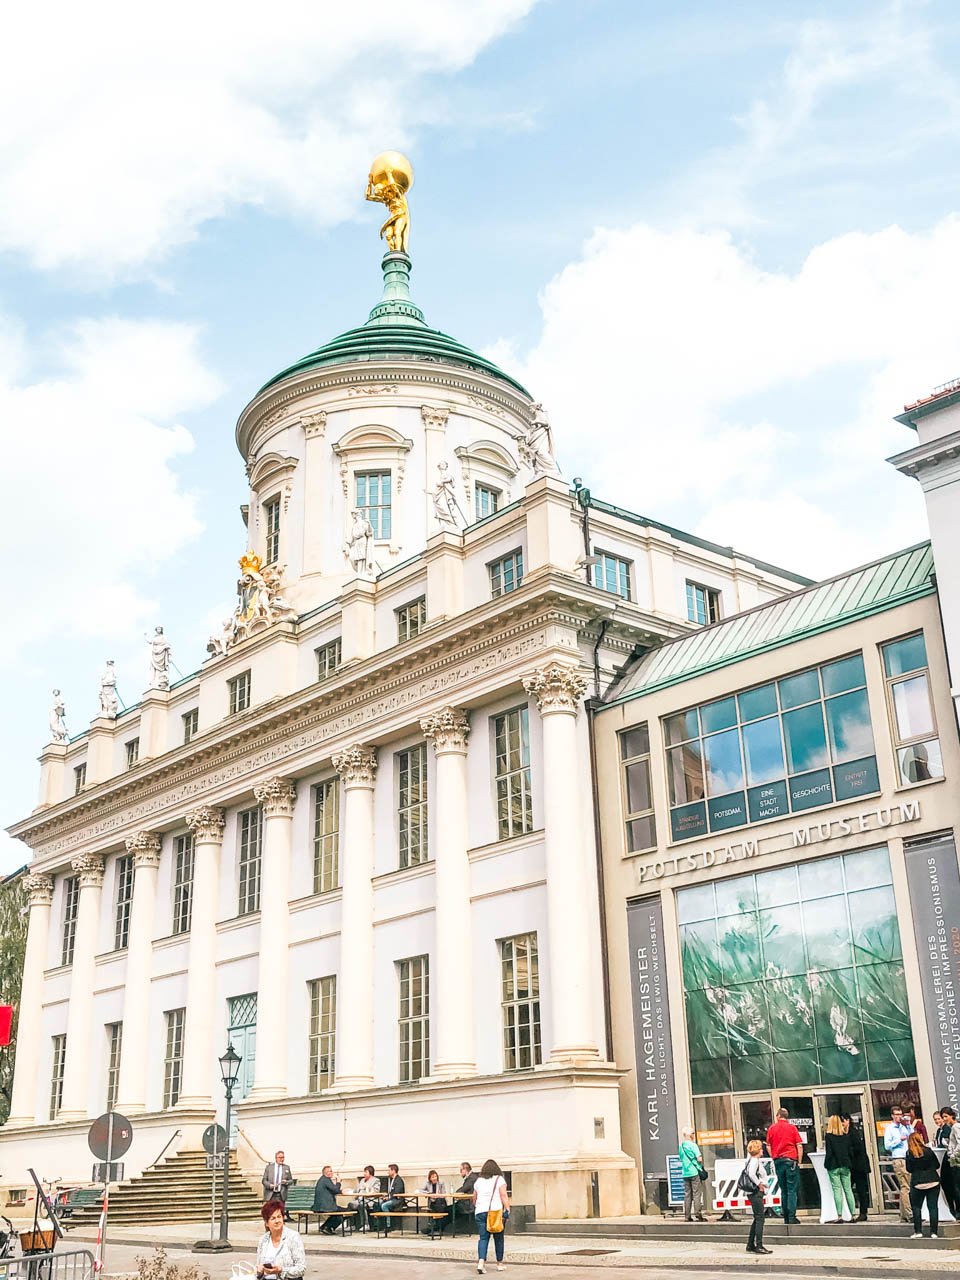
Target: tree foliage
[(13, 945)]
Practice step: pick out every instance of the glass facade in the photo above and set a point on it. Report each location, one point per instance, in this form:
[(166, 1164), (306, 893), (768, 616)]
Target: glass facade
[(794, 977), (911, 710), (787, 746)]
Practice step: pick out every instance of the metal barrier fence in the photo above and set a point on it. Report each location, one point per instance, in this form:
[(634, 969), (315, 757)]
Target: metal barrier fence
[(65, 1264)]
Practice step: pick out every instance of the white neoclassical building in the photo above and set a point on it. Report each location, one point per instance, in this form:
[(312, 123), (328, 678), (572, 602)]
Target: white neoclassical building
[(359, 842)]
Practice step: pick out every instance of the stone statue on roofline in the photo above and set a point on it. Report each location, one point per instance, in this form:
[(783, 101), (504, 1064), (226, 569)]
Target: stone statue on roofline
[(535, 444), (359, 546), (109, 702), (260, 603), (159, 666), (58, 727)]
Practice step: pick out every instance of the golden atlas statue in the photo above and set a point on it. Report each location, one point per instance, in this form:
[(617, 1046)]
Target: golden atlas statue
[(391, 177)]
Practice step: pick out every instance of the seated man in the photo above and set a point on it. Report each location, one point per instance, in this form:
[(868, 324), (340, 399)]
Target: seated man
[(464, 1208), (393, 1189), (325, 1201)]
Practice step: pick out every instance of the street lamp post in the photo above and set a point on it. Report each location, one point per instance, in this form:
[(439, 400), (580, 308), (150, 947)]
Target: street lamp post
[(229, 1069)]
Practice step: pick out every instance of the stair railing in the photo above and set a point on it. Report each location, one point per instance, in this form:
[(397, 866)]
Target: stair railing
[(176, 1134), (250, 1145)]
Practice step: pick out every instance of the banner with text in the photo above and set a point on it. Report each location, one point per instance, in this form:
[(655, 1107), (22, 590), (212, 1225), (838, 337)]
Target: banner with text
[(651, 1029), (934, 880)]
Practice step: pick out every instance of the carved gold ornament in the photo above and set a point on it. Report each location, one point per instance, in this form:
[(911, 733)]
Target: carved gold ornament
[(391, 177)]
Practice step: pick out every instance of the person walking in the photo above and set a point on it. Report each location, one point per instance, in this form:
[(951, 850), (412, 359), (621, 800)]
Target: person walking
[(859, 1167), (895, 1137), (785, 1145), (325, 1201), (924, 1170), (837, 1164), (757, 1175), (280, 1253), (691, 1166), (491, 1206)]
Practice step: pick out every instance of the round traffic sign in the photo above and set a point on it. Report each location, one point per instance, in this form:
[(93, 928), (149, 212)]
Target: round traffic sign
[(110, 1136), (214, 1139)]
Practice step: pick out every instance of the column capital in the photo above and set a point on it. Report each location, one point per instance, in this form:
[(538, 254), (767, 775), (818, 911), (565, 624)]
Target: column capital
[(206, 823), (314, 424), (145, 847), (357, 765), (89, 867), (434, 416), (39, 889), (277, 796), (556, 686), (448, 729)]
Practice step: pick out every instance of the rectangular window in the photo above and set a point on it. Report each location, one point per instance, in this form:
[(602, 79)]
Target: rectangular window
[(911, 710), (71, 900), (512, 750), (182, 883), (373, 501), (520, 1001), (133, 752), (410, 619), (613, 574), (412, 805), (250, 823), (114, 1041), (506, 574), (784, 747), (239, 690), (637, 792), (326, 836), (56, 1078), (414, 1024), (328, 659), (703, 604), (271, 524), (323, 1027), (121, 931), (79, 778), (487, 500), (191, 723), (173, 1058)]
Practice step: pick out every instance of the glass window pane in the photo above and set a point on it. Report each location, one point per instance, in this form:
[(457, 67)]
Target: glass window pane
[(701, 956), (848, 724), (883, 1001), (873, 922), (706, 1028), (634, 742), (758, 702), (777, 887), (920, 761), (911, 701), (846, 674), (866, 869), (681, 727), (641, 834), (745, 1016), (790, 1010), (718, 715), (684, 774), (708, 1075), (735, 896), (781, 935), (905, 655), (805, 739), (753, 1072), (796, 1070), (695, 904), (722, 760), (888, 1059), (827, 932), (836, 1008), (763, 750), (796, 690), (820, 879), (739, 944), (638, 786)]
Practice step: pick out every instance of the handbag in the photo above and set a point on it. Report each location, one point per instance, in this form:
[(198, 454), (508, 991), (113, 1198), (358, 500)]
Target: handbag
[(702, 1174), (746, 1183), (494, 1216)]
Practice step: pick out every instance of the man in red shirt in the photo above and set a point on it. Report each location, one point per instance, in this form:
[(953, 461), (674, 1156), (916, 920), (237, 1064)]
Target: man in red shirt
[(785, 1144)]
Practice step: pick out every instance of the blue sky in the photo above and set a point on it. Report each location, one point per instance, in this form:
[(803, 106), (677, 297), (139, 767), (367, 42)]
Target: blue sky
[(718, 240)]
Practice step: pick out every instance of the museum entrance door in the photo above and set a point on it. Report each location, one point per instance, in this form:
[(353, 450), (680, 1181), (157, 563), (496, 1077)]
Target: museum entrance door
[(855, 1103)]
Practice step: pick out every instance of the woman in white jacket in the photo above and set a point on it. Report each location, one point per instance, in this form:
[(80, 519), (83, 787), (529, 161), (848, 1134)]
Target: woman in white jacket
[(490, 1192)]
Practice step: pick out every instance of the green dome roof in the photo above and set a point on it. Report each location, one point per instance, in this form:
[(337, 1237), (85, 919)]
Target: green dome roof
[(396, 328)]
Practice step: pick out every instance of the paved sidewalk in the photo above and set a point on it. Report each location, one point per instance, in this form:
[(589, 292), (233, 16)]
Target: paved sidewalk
[(799, 1259)]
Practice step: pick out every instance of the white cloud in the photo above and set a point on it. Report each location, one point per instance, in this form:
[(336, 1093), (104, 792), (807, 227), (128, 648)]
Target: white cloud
[(121, 131), (665, 357), (96, 501)]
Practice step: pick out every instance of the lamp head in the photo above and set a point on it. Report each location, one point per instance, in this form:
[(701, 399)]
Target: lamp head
[(230, 1065)]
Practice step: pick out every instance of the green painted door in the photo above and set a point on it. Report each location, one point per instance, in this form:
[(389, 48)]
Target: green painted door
[(242, 1034)]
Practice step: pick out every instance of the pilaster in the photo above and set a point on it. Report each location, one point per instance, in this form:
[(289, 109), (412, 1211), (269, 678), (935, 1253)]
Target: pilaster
[(154, 729), (30, 1020), (100, 749), (445, 561), (135, 1043), (314, 498), (554, 537), (206, 823), (357, 626), (88, 867), (52, 770)]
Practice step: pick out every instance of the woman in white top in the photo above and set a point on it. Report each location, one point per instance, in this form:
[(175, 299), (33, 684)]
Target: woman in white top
[(489, 1192), (279, 1250), (755, 1170)]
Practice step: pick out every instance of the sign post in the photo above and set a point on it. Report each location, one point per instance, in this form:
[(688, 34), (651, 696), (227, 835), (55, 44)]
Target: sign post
[(214, 1144), (109, 1138)]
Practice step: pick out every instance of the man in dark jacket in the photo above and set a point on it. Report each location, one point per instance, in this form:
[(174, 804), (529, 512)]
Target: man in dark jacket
[(393, 1188), (859, 1167), (325, 1200), (464, 1208)]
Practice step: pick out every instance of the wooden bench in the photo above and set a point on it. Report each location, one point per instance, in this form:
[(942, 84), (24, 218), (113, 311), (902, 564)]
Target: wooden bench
[(300, 1202), (407, 1213)]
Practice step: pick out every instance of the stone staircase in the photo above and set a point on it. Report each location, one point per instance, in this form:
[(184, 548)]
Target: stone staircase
[(178, 1190), (873, 1236)]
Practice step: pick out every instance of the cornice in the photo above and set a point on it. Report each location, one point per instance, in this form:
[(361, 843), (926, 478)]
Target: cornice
[(925, 457)]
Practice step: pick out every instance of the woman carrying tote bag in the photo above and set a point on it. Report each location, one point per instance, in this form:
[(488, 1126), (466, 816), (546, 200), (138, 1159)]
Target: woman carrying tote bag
[(491, 1204)]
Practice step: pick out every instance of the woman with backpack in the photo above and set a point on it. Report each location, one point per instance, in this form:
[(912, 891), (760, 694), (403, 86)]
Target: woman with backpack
[(694, 1176), (491, 1204), (753, 1181)]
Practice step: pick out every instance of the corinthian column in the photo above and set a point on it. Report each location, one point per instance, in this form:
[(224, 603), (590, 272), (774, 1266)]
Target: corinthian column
[(558, 690), (453, 1038), (135, 1043), (76, 1068), (198, 1060), (357, 767), (30, 1021), (270, 1068)]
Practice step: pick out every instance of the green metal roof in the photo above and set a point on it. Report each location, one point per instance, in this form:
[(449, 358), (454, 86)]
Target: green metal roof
[(884, 584), (396, 329)]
